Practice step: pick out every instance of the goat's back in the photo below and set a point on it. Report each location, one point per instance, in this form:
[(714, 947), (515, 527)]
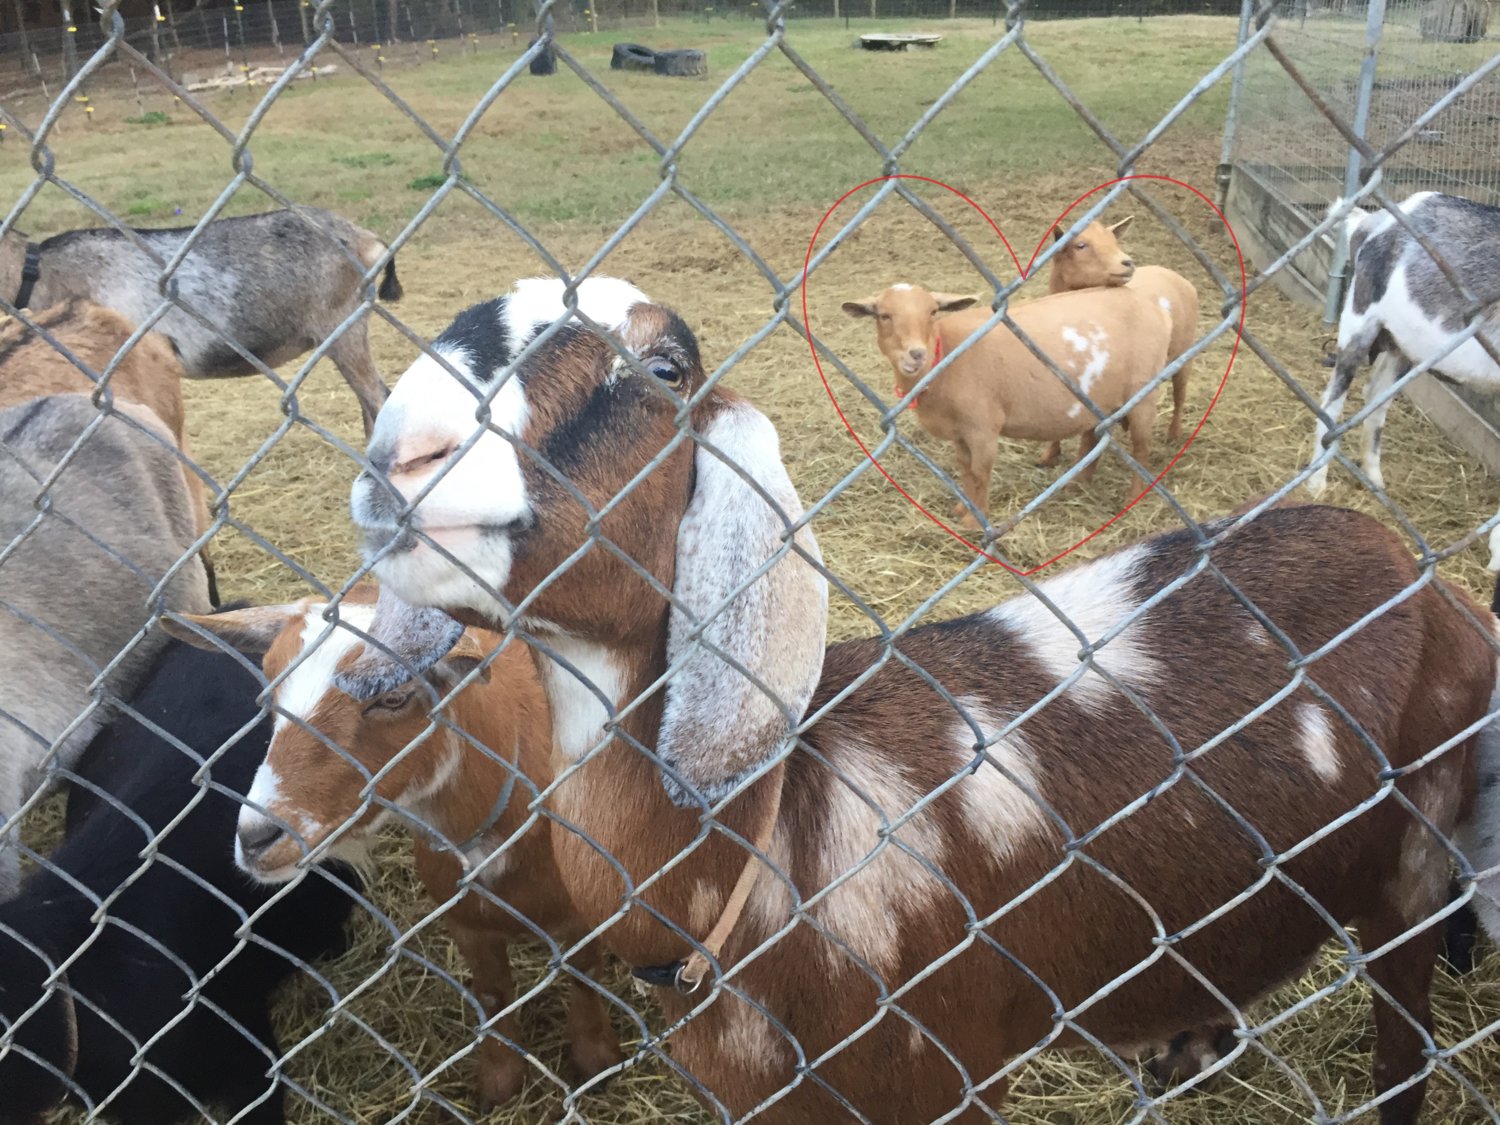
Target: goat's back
[(1208, 826), (1177, 297), (77, 576), (277, 283), (150, 374)]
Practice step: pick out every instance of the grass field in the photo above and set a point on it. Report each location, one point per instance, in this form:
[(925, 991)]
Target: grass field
[(769, 160)]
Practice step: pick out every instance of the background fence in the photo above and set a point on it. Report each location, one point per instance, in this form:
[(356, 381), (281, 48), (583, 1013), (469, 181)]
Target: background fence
[(203, 39), (707, 214)]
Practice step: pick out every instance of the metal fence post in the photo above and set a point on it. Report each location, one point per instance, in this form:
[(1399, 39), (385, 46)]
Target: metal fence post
[(1374, 28), (1232, 114)]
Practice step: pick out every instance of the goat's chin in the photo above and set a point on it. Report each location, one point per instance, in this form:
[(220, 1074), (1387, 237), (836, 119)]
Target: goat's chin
[(353, 851), (421, 575)]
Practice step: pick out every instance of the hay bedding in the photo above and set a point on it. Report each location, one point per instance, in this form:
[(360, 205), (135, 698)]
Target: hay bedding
[(296, 498)]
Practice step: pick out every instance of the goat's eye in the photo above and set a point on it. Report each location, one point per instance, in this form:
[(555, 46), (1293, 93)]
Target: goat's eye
[(391, 701), (664, 370), (885, 316), (1080, 246)]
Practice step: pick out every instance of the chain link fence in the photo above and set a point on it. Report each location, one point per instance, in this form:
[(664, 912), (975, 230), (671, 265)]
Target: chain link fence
[(1119, 814)]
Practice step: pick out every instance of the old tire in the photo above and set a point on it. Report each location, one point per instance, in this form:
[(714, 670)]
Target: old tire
[(546, 62), (681, 64), (632, 56)]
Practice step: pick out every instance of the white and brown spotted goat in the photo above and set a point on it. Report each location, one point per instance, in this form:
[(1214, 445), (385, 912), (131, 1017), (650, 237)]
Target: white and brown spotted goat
[(347, 756), (849, 982)]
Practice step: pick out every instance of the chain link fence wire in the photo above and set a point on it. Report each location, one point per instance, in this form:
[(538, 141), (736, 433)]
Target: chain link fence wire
[(1294, 119)]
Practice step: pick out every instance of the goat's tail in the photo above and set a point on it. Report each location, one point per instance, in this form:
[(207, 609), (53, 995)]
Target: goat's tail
[(390, 284)]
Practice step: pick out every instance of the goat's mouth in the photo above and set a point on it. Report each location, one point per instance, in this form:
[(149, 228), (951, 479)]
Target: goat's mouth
[(402, 538), (1123, 277), (913, 367), (271, 854)]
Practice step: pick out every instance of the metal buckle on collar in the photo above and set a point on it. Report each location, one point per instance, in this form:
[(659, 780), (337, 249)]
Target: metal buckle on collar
[(666, 976)]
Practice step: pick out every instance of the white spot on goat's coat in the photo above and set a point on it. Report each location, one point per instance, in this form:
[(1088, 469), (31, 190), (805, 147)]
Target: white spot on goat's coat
[(1098, 359), (866, 912), (1166, 305), (578, 714), (1318, 744), (534, 303), (428, 410), (1002, 811), (902, 286), (310, 675), (1095, 597)]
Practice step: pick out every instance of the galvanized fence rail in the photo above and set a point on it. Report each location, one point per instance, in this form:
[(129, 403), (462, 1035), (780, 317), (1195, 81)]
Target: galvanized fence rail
[(1366, 151)]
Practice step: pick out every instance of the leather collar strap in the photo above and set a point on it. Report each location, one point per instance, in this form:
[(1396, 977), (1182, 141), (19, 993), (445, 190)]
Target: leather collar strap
[(497, 810), (937, 358), (31, 270), (686, 974)]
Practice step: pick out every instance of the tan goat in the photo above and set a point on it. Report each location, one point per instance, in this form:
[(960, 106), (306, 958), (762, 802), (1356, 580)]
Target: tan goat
[(149, 374), (471, 799), (1109, 341), (1095, 258)]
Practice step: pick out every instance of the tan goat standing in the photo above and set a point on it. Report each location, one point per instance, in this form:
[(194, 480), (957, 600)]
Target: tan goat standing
[(1095, 258), (1110, 342), (446, 788)]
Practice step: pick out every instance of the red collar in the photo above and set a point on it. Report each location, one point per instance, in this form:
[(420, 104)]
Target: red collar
[(937, 358)]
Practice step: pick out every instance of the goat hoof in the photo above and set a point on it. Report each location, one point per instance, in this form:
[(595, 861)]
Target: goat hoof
[(500, 1083)]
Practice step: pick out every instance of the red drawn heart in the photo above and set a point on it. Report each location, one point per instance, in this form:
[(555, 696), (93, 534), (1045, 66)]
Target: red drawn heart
[(1024, 272)]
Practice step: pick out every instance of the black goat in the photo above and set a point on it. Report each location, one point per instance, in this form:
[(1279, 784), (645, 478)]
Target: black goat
[(174, 921)]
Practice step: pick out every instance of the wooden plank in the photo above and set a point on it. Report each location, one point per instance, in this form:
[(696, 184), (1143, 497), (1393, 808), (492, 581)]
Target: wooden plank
[(1266, 225), (1449, 412)]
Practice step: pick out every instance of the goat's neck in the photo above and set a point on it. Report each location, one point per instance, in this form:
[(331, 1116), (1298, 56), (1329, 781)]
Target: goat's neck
[(614, 800), (464, 801), (1055, 281)]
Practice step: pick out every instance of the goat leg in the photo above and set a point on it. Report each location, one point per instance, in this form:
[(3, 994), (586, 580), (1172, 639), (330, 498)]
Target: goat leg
[(593, 1046)]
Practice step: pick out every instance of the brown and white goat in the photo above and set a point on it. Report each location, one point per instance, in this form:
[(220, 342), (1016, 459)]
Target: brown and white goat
[(460, 795), (1109, 341), (853, 982), (1094, 258), (149, 374)]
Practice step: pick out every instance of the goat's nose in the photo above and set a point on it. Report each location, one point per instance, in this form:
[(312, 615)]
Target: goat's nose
[(1128, 264), (381, 458), (256, 838), (916, 353)]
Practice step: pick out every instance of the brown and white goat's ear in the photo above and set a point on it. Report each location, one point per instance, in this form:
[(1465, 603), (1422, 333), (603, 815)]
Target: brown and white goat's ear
[(858, 309), (250, 630), (1119, 228), (719, 726), (411, 639), (954, 302)]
